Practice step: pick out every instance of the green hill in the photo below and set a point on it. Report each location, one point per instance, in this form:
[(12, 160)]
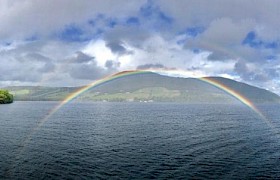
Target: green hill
[(151, 87)]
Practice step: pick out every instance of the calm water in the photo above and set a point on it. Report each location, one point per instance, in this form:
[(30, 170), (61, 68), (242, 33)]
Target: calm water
[(135, 141)]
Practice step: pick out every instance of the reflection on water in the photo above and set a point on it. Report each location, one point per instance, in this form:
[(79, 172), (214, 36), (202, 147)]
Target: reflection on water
[(135, 141)]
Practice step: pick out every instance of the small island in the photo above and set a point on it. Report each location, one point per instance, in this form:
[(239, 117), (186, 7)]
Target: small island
[(5, 97)]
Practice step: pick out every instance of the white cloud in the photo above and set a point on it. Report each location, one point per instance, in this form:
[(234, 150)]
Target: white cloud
[(22, 18), (100, 51), (219, 49)]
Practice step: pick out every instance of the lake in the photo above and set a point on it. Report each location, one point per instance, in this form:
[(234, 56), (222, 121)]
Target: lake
[(86, 140)]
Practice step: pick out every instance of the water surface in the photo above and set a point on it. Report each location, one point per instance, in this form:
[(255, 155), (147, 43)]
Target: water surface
[(138, 140)]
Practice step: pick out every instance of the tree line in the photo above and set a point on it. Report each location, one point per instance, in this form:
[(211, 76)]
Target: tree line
[(5, 97)]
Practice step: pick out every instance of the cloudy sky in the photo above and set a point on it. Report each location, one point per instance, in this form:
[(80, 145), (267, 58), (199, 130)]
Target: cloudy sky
[(74, 42)]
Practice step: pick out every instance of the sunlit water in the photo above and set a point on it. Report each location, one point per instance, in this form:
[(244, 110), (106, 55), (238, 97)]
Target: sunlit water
[(138, 140)]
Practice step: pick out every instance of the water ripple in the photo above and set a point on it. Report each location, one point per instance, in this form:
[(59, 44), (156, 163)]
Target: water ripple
[(136, 141)]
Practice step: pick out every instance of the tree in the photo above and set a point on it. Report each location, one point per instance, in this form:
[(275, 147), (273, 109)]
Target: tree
[(5, 97)]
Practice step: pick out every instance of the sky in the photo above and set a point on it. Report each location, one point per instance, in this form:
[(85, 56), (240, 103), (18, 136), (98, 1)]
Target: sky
[(74, 42)]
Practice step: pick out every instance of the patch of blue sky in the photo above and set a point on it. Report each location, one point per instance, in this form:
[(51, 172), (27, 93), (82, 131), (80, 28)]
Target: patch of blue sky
[(147, 9), (190, 32), (111, 22), (271, 57), (94, 21), (132, 21), (181, 41), (253, 41), (271, 45), (74, 33), (196, 50), (233, 74), (6, 44), (98, 33), (32, 38), (194, 31), (148, 14), (150, 11), (164, 18)]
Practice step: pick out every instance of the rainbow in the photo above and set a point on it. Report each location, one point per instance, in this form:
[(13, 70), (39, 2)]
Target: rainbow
[(233, 93), (73, 96), (107, 79), (88, 87)]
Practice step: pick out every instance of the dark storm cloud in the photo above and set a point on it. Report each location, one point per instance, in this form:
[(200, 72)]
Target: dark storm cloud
[(36, 57), (48, 67), (109, 64), (151, 66), (134, 36), (19, 73), (88, 69), (89, 72), (112, 65), (23, 64), (250, 75), (216, 56), (82, 58), (117, 47)]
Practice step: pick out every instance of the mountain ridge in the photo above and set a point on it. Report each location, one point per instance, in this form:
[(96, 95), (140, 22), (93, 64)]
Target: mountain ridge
[(151, 87)]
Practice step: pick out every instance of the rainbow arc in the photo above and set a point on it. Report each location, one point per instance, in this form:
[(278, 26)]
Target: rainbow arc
[(107, 79)]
